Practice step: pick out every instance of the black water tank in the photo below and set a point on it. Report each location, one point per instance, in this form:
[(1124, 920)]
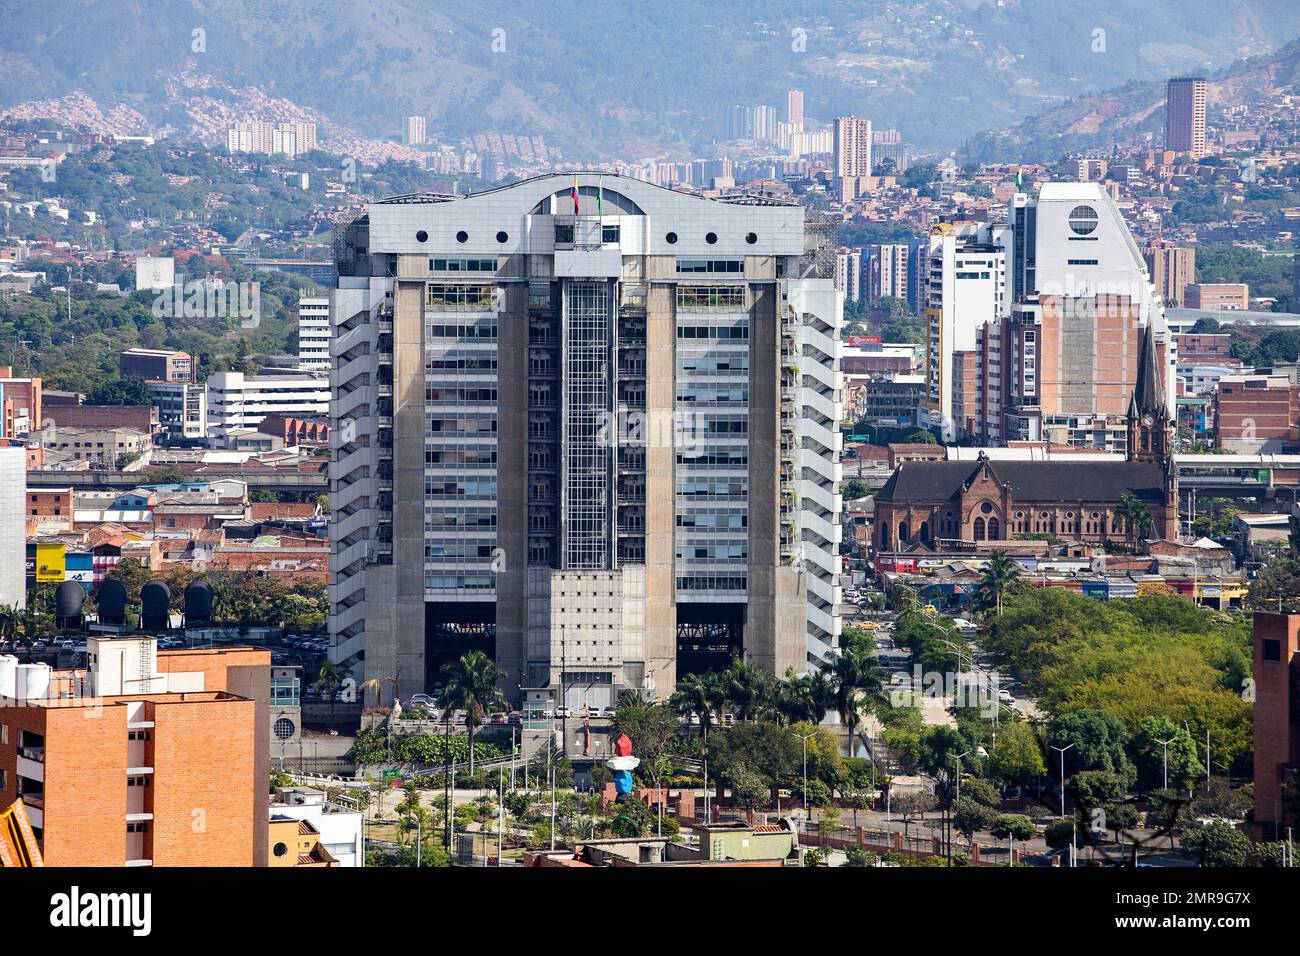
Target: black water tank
[(68, 598), (155, 601), (198, 601), (112, 602)]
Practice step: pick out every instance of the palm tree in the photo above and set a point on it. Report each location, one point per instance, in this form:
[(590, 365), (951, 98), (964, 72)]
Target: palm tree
[(1001, 576), (855, 679), (902, 597), (802, 697), (748, 689), (472, 687), (328, 681), (1137, 519), (692, 697)]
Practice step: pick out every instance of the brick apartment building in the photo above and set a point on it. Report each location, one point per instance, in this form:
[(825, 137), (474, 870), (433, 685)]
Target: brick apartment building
[(1277, 720), (1204, 348), (20, 404), (148, 758), (1218, 296), (156, 365), (296, 430), (1256, 413), (50, 502)]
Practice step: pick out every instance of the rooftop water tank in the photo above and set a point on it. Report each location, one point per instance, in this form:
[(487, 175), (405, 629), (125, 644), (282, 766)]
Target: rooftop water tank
[(155, 606), (8, 675), (33, 681), (112, 602)]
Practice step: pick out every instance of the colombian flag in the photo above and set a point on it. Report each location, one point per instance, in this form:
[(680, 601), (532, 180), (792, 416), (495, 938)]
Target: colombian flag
[(575, 195)]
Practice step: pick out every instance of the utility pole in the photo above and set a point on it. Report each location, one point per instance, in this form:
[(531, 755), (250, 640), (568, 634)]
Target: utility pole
[(1061, 751)]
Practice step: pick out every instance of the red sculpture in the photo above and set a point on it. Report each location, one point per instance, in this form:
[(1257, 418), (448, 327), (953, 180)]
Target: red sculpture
[(623, 746)]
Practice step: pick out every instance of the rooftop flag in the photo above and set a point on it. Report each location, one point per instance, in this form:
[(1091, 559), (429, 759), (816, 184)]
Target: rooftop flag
[(575, 195)]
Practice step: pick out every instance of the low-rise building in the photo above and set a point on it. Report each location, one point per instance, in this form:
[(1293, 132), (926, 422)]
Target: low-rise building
[(237, 403), (1217, 296), (308, 829), (156, 365), (171, 771)]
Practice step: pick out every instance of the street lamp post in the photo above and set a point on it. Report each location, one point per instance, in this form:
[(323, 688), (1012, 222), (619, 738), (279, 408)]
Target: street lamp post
[(805, 738), (1165, 744), (1061, 751)]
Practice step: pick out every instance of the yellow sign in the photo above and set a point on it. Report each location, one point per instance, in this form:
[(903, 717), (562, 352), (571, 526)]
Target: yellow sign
[(51, 562)]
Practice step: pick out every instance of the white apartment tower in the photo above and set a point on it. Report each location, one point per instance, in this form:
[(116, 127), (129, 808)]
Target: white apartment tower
[(314, 332), (588, 426), (415, 131)]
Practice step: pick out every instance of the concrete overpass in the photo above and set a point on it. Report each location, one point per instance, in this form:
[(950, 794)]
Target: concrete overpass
[(257, 480), (1258, 476)]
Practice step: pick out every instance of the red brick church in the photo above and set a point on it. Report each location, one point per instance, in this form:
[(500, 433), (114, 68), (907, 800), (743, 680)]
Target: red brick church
[(936, 505)]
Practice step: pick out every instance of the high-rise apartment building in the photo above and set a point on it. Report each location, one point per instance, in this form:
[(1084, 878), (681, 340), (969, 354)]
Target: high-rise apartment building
[(1081, 300), (590, 426), (897, 270), (1172, 269), (314, 332), (414, 133), (849, 274), (256, 136), (852, 146), (144, 758), (966, 289), (794, 108), (1185, 116)]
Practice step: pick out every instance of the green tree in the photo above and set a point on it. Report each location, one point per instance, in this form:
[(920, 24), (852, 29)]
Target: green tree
[(854, 677), (1100, 742), (1216, 844), (1017, 757), (133, 576), (969, 816), (694, 697), (1138, 522), (1001, 577), (1013, 826), (748, 689), (1156, 739), (472, 687)]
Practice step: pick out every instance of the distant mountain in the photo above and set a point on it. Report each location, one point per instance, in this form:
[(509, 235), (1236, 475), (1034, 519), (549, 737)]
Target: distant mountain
[(618, 78), (1127, 113)]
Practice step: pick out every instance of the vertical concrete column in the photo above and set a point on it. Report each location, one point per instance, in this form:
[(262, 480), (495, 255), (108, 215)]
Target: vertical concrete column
[(660, 491)]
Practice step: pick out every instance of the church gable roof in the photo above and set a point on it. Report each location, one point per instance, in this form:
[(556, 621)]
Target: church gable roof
[(1030, 481)]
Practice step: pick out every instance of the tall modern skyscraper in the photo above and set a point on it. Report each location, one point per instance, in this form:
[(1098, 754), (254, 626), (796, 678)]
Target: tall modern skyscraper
[(590, 426), (1185, 115)]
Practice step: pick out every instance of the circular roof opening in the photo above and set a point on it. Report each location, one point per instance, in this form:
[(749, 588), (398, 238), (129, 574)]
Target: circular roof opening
[(503, 237), (671, 238), (711, 237), (462, 236), (1083, 220), (751, 237), (421, 236)]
